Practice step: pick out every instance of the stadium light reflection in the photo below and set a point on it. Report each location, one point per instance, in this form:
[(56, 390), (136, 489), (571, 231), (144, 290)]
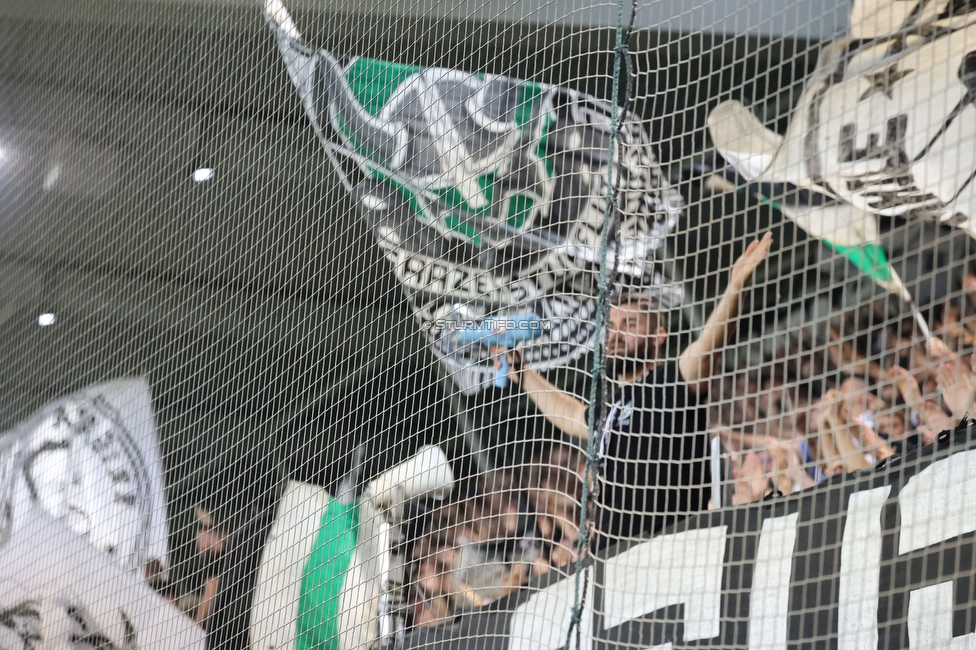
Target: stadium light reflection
[(203, 174)]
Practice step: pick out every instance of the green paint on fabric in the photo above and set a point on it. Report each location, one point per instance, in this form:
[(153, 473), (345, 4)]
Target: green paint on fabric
[(542, 150), (324, 576), (519, 209), (869, 258), (529, 94), (415, 207), (373, 81)]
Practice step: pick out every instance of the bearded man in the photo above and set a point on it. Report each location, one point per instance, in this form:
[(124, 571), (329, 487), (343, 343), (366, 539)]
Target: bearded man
[(653, 448)]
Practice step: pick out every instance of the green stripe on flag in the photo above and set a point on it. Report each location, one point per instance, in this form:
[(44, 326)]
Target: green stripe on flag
[(869, 258), (542, 150), (528, 97), (324, 577), (519, 210)]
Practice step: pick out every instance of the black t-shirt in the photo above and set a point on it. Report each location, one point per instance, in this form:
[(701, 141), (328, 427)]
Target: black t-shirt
[(654, 449)]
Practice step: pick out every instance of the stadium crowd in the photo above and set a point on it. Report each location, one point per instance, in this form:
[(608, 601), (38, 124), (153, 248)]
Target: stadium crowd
[(867, 397), (816, 411)]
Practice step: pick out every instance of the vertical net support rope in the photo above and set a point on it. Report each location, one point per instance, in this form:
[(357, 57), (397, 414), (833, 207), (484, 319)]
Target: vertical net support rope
[(607, 279)]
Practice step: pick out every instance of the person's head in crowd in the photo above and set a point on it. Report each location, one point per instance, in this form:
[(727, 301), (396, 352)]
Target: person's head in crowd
[(806, 395), (809, 365), (636, 333), (209, 539), (733, 399), (890, 424), (775, 404), (846, 440), (227, 496), (208, 544), (435, 559), (782, 407), (467, 553), (773, 398), (555, 486), (493, 512)]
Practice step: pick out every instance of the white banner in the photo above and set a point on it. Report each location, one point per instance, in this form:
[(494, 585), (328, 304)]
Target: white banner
[(91, 459)]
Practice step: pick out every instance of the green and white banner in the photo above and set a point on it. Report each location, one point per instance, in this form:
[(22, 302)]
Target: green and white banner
[(487, 195)]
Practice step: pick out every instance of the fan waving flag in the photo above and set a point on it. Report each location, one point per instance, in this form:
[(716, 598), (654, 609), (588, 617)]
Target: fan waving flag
[(487, 195)]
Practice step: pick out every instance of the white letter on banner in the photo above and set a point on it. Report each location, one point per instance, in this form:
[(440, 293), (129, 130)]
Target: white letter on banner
[(930, 620), (769, 603), (679, 569), (936, 505), (860, 570), (542, 622)]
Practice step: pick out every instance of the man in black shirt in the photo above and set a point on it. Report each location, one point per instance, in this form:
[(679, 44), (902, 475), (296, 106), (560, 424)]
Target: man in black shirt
[(654, 447)]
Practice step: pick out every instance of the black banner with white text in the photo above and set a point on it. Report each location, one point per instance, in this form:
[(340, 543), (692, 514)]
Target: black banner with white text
[(881, 559)]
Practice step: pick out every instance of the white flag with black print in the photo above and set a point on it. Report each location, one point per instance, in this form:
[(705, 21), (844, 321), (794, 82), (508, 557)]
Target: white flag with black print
[(91, 459), (888, 122), (82, 511), (59, 591)]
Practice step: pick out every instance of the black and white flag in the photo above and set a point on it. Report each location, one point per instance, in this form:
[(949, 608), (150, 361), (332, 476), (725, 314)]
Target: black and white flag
[(886, 125), (91, 459)]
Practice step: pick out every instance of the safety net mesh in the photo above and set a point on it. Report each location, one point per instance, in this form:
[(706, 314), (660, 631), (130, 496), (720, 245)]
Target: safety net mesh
[(505, 326)]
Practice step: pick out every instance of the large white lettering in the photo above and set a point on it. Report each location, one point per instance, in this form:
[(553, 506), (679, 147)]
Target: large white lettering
[(680, 569), (936, 506), (542, 622), (860, 570), (769, 604), (685, 569)]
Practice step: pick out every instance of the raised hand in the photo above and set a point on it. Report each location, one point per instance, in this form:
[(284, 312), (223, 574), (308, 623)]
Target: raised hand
[(907, 386), (750, 482), (933, 420), (957, 384), (556, 514), (871, 442), (795, 471), (746, 265), (513, 357)]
